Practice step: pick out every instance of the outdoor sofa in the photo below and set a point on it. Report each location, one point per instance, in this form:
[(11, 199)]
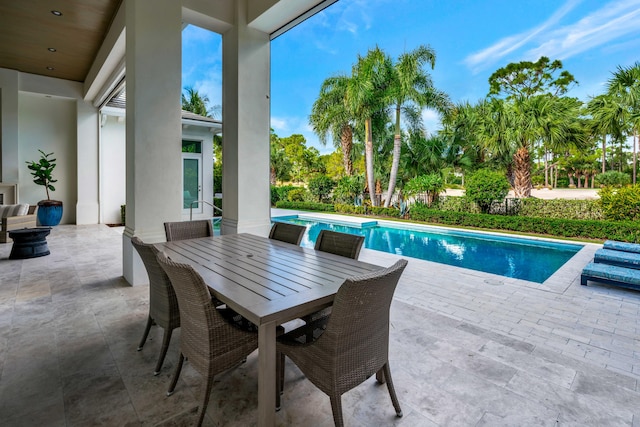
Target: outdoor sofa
[(617, 263), (15, 217)]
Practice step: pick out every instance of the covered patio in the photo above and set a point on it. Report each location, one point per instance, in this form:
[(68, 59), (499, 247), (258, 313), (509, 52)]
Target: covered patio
[(467, 348)]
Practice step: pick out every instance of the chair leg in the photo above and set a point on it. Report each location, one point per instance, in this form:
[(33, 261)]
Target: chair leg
[(146, 333), (380, 376), (279, 379), (336, 407), (176, 375), (392, 390), (163, 351), (205, 399)]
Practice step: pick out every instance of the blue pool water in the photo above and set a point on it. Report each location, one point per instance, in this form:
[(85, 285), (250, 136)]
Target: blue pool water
[(520, 258)]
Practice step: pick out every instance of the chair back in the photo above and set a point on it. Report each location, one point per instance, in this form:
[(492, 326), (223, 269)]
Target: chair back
[(285, 232), (163, 304), (207, 340), (358, 329), (181, 230), (344, 244)]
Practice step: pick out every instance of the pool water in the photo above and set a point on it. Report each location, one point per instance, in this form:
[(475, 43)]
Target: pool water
[(516, 257)]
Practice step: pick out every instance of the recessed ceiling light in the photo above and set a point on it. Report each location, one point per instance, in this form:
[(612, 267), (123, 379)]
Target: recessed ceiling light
[(56, 12), (51, 49), (50, 68)]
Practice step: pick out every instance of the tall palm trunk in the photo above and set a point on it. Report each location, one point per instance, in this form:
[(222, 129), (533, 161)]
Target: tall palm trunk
[(346, 142), (522, 182), (368, 155), (604, 152), (635, 154), (397, 145)]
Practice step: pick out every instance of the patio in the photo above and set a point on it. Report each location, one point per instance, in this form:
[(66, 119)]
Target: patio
[(467, 348)]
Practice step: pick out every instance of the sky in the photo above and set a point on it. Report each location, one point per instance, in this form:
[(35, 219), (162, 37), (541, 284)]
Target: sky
[(472, 39)]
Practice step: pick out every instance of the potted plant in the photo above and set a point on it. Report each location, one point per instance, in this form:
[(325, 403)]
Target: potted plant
[(49, 211)]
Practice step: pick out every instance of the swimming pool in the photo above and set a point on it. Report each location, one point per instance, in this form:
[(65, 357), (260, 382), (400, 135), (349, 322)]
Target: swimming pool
[(520, 258)]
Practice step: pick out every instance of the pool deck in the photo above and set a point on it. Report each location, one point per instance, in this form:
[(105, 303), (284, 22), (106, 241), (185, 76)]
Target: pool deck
[(466, 349)]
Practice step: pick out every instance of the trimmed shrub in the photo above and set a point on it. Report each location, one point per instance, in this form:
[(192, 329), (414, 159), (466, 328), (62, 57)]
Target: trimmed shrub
[(350, 209), (626, 231), (305, 206), (321, 187), (217, 202), (560, 208), (456, 204), (486, 186), (297, 195), (280, 193), (620, 204)]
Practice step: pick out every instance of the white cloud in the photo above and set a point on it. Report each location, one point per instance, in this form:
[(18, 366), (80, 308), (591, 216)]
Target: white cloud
[(502, 48), (279, 125), (614, 20)]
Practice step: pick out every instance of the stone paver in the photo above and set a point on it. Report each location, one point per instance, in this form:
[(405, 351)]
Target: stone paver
[(466, 349)]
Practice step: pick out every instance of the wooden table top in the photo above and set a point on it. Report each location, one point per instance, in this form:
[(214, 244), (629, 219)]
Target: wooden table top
[(266, 280)]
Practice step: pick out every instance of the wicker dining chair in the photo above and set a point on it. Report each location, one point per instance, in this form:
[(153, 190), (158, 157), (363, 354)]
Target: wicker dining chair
[(352, 343), (212, 339), (344, 244), (163, 305), (181, 230), (285, 232)]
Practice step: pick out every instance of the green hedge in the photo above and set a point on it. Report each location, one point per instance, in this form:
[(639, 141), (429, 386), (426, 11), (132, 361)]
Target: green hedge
[(305, 206), (561, 208), (626, 231)]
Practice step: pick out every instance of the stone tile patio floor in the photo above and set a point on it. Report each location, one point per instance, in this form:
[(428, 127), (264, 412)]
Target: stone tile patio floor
[(467, 349)]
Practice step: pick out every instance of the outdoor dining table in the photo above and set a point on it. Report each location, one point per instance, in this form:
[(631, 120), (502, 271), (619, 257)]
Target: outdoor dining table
[(268, 282)]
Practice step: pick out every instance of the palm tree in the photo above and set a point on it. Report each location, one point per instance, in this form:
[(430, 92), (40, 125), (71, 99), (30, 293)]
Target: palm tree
[(365, 95), (331, 115), (624, 86), (410, 90), (608, 117)]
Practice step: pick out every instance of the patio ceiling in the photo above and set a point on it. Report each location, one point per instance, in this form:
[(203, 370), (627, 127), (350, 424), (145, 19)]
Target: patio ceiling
[(76, 29), (28, 29)]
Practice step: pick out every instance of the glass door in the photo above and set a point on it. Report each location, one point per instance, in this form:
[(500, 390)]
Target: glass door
[(191, 176)]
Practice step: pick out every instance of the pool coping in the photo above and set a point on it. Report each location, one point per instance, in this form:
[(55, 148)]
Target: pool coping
[(558, 282)]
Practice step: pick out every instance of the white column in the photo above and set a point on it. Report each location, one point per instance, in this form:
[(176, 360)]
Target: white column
[(87, 208), (245, 127), (154, 172)]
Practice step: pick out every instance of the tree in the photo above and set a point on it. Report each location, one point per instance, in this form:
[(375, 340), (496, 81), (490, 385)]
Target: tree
[(486, 186), (624, 86), (535, 112), (607, 118), (430, 184), (526, 79), (330, 115), (321, 186), (365, 95), (410, 90)]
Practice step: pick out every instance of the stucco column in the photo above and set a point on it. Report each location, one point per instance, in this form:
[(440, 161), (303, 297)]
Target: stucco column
[(87, 208), (153, 145), (245, 127)]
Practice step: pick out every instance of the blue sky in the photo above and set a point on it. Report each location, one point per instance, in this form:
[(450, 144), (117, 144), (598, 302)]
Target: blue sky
[(471, 39)]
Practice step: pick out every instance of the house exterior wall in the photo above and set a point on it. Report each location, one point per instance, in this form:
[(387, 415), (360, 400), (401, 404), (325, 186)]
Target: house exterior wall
[(112, 168), (48, 124)]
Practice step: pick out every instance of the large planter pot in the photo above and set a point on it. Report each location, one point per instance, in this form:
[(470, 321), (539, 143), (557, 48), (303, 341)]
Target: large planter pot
[(49, 212)]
